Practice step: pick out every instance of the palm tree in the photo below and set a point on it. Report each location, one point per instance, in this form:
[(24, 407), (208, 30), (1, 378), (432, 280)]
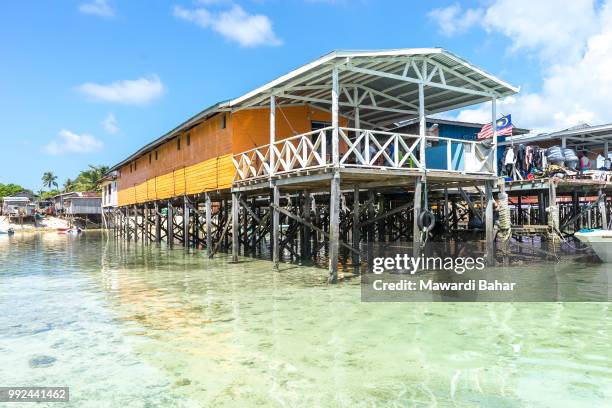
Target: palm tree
[(69, 185), (49, 180)]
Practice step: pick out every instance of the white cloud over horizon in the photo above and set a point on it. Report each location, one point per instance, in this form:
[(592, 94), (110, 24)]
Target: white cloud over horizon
[(70, 142), (574, 46), (235, 24), (99, 8), (110, 124), (128, 91), (453, 20)]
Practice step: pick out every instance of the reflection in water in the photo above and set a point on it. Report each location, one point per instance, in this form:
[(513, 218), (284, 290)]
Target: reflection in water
[(151, 326)]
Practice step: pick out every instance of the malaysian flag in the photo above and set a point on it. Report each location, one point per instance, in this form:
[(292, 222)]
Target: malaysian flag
[(503, 126)]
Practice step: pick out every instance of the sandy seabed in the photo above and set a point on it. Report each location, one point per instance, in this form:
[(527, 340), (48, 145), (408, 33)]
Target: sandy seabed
[(47, 223)]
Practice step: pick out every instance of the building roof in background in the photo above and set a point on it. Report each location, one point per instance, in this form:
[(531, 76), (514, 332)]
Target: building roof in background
[(582, 135), (515, 130), (17, 199), (376, 78), (77, 194)]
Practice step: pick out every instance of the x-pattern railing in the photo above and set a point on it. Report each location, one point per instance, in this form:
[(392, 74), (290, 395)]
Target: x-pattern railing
[(369, 148), (359, 148), (300, 152), (252, 163), (304, 151)]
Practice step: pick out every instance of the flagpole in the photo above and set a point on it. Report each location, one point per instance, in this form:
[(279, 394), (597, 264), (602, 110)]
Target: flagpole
[(494, 129)]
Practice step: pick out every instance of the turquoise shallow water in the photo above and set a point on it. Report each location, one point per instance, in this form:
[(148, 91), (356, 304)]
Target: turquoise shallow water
[(137, 326)]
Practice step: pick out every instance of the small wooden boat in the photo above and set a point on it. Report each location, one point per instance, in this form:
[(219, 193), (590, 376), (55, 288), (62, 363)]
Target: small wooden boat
[(70, 231), (599, 240), (9, 231)]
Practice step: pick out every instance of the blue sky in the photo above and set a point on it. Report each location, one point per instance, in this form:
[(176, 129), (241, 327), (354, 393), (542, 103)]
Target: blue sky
[(90, 81)]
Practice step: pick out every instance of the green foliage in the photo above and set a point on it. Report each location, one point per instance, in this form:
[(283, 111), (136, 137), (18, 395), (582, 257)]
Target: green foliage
[(48, 194), (8, 190), (69, 185), (89, 180)]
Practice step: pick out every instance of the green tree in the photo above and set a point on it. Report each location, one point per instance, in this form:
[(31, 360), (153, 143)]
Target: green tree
[(49, 180), (69, 185), (7, 190), (89, 180)]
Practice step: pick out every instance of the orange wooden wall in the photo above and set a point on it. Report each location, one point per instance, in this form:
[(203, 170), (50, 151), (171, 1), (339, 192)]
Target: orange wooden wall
[(206, 164)]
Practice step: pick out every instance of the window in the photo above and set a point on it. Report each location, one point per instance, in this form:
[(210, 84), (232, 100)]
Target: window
[(188, 139), (156, 155), (131, 167), (178, 143), (135, 165), (150, 158), (223, 121)]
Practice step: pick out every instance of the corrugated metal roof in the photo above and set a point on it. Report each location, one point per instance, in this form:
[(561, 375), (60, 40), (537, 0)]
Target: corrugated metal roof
[(311, 83), (597, 134)]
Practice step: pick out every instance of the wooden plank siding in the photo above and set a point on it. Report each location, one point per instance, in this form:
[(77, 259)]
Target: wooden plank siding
[(206, 164)]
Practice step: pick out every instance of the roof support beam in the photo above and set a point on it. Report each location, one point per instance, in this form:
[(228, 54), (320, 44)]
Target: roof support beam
[(318, 100), (416, 81)]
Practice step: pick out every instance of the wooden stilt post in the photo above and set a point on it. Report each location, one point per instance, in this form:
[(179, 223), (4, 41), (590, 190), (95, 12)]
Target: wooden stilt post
[(552, 199), (416, 211), (170, 225), (209, 248), (126, 213), (446, 215), (356, 231), (370, 228), (602, 209), (381, 223), (186, 222), (275, 226), (145, 223), (489, 232), (307, 244), (135, 222), (235, 227), (334, 227), (157, 223)]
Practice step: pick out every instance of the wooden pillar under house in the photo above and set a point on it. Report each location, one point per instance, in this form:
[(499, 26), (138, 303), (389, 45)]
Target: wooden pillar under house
[(602, 210), (235, 227), (416, 211), (157, 222), (170, 225), (275, 226), (489, 232), (356, 231), (307, 237), (334, 227), (208, 206), (186, 222)]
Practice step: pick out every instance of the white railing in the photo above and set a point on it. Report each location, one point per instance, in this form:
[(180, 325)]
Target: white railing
[(369, 148), (365, 149), (305, 151), (301, 152)]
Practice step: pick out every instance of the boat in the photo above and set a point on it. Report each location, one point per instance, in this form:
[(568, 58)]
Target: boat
[(599, 240), (9, 231), (70, 231)]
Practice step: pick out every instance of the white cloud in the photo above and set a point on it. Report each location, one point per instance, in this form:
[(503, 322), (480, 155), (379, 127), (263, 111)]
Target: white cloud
[(110, 124), (97, 8), (452, 20), (70, 142), (555, 30), (574, 46), (129, 91), (235, 24)]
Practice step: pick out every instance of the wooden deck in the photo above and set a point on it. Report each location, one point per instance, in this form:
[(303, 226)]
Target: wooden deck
[(563, 185)]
